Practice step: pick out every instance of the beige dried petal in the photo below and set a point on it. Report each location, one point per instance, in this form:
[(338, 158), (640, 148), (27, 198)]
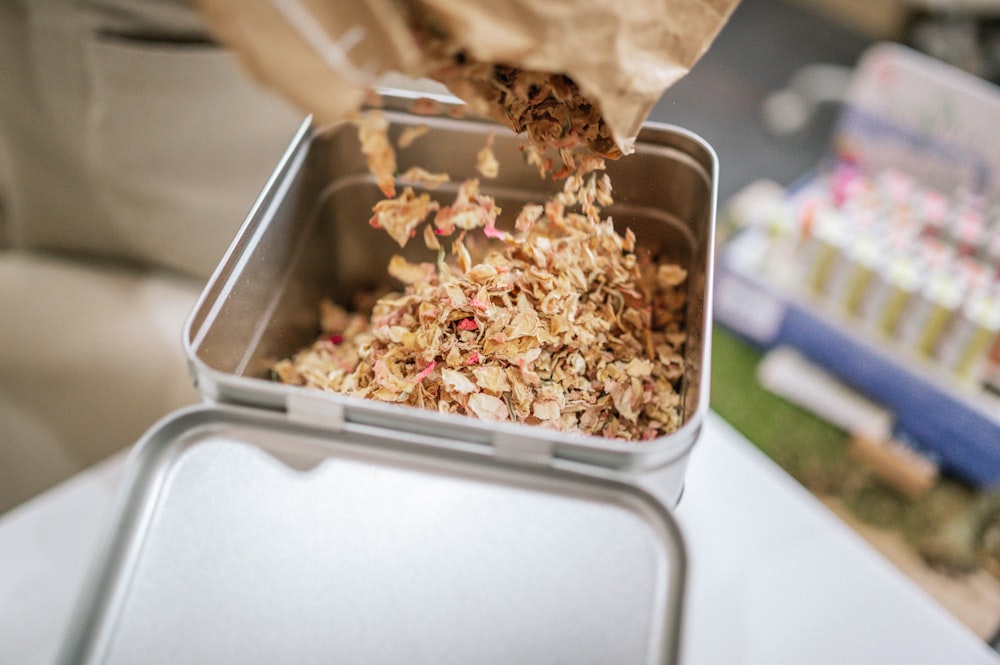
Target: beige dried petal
[(481, 274), (529, 214), (455, 295), (528, 375), (627, 403), (488, 407), (287, 372), (332, 317), (410, 134), (523, 324), (416, 175), (629, 244), (411, 273), (461, 254), (491, 378), (668, 275), (457, 382), (533, 155), (471, 210), (520, 392), (401, 216), (396, 334), (486, 162), (373, 133), (604, 195), (431, 239), (546, 410), (530, 354), (639, 367)]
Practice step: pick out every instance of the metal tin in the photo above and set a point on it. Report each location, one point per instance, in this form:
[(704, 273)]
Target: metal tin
[(243, 538), (307, 238)]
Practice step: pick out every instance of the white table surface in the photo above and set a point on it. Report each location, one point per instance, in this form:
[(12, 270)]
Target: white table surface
[(774, 577)]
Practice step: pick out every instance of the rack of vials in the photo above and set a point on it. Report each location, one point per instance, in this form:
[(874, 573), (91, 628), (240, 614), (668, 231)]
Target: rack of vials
[(915, 267), (890, 284)]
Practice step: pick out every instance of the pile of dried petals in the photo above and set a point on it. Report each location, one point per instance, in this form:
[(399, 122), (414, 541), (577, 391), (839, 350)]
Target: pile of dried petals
[(548, 108), (559, 323)]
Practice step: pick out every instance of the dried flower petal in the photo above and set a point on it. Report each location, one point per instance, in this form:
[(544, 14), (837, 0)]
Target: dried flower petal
[(401, 216), (492, 231), (373, 133), (471, 210), (410, 134), (546, 410), (410, 273), (488, 407), (529, 214), (457, 382), (486, 161), (425, 372), (430, 238), (416, 175)]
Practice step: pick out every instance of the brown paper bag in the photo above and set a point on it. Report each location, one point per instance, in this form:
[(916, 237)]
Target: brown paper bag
[(323, 54)]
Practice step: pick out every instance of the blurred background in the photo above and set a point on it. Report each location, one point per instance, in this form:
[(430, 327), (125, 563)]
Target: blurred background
[(768, 97), (767, 42)]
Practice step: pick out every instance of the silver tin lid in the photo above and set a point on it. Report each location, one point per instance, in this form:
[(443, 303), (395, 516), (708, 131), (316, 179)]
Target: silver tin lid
[(241, 537)]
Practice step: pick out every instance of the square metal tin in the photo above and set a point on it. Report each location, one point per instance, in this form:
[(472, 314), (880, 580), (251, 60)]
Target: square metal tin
[(307, 238), (242, 538)]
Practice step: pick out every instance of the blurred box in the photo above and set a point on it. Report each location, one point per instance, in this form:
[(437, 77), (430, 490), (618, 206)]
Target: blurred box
[(882, 264)]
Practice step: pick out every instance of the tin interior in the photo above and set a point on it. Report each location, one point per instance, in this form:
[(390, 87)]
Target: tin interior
[(242, 538), (308, 238)]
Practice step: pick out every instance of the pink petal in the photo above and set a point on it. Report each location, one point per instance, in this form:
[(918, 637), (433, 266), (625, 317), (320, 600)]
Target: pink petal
[(425, 372), (492, 231)]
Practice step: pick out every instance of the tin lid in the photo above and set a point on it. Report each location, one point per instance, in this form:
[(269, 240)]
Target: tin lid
[(241, 537)]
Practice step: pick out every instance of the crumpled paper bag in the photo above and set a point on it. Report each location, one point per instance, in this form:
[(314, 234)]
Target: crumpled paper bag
[(322, 55)]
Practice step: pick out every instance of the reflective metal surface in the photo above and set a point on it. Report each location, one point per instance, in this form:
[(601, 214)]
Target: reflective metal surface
[(243, 538)]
